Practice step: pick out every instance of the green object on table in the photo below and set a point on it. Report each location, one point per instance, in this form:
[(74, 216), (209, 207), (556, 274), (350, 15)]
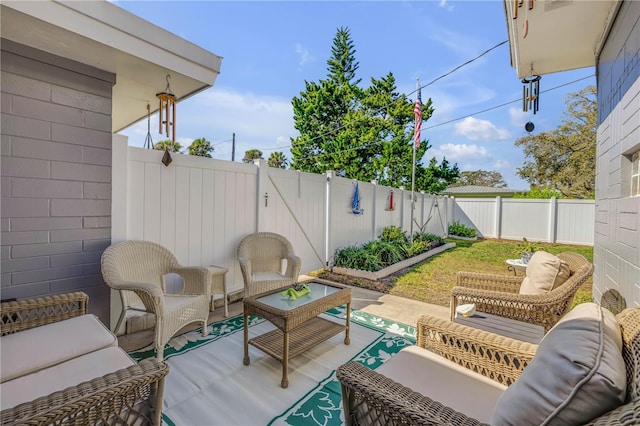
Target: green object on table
[(294, 294)]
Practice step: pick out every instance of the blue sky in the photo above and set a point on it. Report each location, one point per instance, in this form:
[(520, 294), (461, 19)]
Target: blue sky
[(271, 48)]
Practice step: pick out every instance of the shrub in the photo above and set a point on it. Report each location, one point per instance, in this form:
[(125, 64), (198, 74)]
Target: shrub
[(461, 230), (392, 246), (355, 257), (386, 252), (392, 234)]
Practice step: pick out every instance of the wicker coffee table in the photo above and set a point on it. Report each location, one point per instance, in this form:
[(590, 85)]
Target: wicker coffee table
[(298, 326)]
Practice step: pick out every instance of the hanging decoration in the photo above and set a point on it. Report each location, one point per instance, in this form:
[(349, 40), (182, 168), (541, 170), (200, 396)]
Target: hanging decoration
[(148, 142), (531, 92), (167, 110), (525, 24), (391, 204), (355, 202)]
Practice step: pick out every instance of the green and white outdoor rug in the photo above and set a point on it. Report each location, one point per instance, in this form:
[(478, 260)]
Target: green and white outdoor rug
[(209, 385)]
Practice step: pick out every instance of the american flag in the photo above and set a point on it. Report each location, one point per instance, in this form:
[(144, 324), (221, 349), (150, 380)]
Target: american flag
[(417, 111)]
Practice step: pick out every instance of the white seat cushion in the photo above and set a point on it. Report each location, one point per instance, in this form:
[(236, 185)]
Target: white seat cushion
[(61, 376), (268, 276), (444, 381), (41, 347)]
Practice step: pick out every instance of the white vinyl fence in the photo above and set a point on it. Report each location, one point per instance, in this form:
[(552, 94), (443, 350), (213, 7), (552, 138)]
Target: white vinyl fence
[(200, 209), (553, 220)]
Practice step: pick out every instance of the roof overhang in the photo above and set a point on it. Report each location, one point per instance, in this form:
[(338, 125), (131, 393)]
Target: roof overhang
[(107, 37), (560, 34)]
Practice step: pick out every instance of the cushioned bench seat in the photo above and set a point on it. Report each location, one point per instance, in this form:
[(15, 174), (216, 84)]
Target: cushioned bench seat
[(60, 365), (61, 376), (41, 347), (430, 374)]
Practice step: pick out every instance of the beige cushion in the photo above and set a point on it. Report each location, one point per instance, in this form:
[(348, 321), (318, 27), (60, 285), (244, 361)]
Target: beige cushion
[(544, 273), (40, 347), (444, 381), (61, 376), (576, 375)]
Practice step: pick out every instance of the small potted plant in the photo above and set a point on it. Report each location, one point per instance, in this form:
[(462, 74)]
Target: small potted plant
[(527, 248)]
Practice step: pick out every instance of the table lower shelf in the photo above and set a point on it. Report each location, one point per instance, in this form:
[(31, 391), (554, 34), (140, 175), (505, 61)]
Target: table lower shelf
[(302, 338)]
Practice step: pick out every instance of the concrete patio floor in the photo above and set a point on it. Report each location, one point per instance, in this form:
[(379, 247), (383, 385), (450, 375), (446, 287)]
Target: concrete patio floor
[(400, 309)]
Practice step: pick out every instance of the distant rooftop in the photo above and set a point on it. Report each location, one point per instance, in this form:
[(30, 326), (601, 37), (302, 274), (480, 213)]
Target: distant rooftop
[(481, 191)]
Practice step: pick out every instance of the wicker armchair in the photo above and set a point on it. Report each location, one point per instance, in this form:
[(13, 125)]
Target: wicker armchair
[(131, 395), (370, 398), (260, 256), (498, 294), (140, 267)]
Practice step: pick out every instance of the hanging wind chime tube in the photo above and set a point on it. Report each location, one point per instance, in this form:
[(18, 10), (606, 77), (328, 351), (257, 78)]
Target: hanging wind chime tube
[(167, 104), (531, 92)]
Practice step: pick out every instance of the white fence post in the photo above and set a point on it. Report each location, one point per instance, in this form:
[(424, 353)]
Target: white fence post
[(262, 194), (327, 217), (498, 218), (119, 168), (553, 219), (374, 206)]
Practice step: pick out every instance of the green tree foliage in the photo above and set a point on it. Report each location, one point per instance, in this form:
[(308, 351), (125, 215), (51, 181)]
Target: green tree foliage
[(252, 154), (362, 134), (540, 193), (278, 160), (167, 145), (564, 159), (480, 178), (201, 148)]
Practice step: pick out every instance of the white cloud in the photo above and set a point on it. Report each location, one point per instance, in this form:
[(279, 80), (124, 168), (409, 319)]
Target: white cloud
[(502, 164), (446, 5), (457, 152), (476, 129), (517, 117), (303, 53)]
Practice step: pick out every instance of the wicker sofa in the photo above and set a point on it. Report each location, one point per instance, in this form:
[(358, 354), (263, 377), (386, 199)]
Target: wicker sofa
[(455, 372), (61, 365)]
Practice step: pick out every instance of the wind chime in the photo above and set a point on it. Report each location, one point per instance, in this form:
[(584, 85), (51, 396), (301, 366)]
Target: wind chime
[(530, 96), (167, 111)]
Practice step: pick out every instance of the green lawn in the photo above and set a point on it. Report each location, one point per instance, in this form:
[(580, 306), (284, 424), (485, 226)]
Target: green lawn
[(432, 280)]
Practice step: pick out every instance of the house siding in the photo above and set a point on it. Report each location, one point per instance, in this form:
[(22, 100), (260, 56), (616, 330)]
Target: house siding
[(56, 175), (617, 222)]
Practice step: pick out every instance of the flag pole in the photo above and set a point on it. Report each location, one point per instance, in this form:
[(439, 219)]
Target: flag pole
[(417, 110)]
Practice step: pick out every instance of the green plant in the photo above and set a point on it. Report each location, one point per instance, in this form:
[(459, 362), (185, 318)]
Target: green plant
[(393, 233), (528, 246), (387, 253), (355, 257), (461, 230)]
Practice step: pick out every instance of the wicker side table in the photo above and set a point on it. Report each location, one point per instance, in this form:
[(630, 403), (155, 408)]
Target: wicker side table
[(218, 284), (298, 327)]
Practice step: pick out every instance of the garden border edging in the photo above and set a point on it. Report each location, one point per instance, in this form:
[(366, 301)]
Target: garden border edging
[(375, 276)]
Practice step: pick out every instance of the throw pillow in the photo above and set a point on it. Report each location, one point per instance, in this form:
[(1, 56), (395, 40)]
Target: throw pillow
[(544, 273), (576, 375)]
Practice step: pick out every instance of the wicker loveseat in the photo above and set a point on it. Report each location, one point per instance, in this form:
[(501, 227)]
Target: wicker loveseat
[(500, 294), (61, 365), (472, 369)]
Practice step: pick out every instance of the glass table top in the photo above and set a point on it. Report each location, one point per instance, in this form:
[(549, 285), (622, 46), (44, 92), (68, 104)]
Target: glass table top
[(278, 301)]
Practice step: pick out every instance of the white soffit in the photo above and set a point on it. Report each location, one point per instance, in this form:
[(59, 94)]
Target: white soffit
[(562, 34), (102, 35)]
